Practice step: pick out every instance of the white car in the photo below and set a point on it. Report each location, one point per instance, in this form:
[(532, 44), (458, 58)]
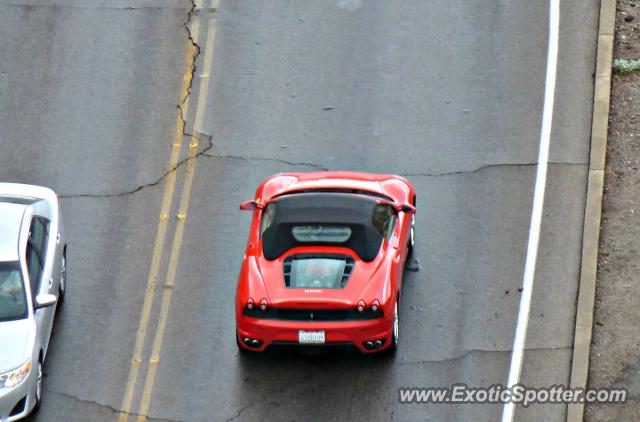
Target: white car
[(32, 283)]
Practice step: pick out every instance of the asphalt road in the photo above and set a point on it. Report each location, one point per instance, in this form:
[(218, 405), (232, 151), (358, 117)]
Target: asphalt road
[(447, 93)]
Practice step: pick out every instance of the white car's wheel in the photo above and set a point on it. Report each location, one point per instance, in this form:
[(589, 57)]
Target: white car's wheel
[(39, 386), (63, 276)]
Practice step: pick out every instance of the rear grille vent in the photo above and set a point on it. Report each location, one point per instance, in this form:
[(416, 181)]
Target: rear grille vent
[(286, 269), (348, 268)]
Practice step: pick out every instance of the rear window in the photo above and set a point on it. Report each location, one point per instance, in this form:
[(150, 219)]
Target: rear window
[(13, 304), (330, 234), (353, 221), (319, 273)]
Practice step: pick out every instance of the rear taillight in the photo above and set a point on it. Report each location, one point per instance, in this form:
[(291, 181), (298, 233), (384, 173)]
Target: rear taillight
[(360, 307), (250, 304), (264, 305), (375, 305)]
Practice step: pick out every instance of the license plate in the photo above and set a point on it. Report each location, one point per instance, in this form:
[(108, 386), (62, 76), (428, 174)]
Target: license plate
[(310, 337)]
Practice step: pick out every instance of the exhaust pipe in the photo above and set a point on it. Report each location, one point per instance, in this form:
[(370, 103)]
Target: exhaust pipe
[(253, 343)]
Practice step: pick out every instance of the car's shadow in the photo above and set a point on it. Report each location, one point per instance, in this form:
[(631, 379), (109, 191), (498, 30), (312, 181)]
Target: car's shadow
[(311, 378)]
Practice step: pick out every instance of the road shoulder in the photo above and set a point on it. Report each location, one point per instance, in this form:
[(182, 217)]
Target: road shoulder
[(593, 208)]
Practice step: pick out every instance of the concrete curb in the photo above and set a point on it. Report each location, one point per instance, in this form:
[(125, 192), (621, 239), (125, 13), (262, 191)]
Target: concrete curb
[(593, 208)]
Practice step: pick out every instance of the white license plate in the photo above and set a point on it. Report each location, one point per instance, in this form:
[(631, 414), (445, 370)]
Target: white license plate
[(310, 337)]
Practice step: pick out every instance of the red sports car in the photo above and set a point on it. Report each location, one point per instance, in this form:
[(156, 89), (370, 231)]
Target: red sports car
[(324, 261)]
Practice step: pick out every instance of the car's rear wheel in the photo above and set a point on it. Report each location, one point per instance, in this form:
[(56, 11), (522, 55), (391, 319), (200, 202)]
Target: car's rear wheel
[(396, 329), (63, 276), (412, 232)]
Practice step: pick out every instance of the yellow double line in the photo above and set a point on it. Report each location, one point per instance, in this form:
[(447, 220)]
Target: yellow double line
[(152, 281)]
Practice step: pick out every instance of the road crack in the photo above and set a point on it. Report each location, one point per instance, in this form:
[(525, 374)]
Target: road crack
[(104, 406), (194, 48), (205, 153), (275, 160), (151, 184), (487, 166)]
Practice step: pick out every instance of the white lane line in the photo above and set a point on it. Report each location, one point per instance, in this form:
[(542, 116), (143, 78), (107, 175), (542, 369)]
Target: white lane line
[(538, 203)]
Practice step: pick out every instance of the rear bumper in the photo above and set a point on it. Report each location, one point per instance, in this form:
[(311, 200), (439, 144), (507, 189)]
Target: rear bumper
[(337, 333)]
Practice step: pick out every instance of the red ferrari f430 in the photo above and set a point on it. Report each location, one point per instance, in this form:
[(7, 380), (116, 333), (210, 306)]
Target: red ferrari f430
[(324, 261)]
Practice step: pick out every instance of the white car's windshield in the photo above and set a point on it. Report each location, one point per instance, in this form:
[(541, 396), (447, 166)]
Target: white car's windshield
[(12, 298)]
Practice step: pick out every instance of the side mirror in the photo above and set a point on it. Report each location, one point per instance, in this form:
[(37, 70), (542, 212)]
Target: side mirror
[(249, 205), (45, 300), (408, 208)]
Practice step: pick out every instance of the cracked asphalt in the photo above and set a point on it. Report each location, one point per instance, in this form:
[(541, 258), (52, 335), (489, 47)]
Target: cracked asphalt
[(448, 93)]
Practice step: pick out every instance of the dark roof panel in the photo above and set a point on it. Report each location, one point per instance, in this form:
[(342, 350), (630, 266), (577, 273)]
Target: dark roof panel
[(356, 211)]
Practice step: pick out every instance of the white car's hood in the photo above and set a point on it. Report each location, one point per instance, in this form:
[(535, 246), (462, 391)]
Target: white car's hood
[(16, 339)]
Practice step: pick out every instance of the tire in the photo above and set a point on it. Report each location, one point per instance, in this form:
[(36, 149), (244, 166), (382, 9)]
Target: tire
[(393, 347), (412, 236), (412, 233), (62, 289), (39, 386)]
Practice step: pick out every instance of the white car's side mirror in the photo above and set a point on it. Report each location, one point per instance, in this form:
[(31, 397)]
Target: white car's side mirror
[(45, 300)]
